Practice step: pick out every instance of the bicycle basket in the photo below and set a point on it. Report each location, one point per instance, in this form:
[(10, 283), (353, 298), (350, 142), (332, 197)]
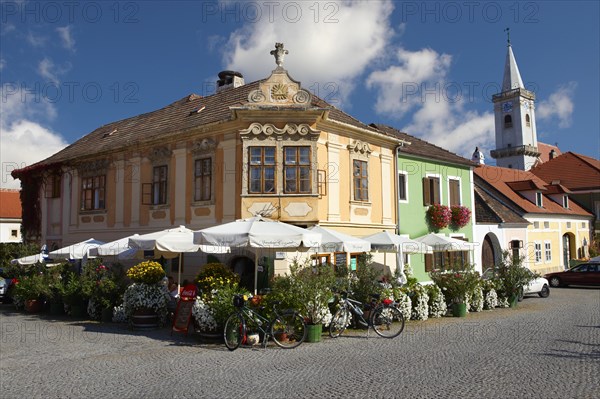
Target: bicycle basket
[(239, 301)]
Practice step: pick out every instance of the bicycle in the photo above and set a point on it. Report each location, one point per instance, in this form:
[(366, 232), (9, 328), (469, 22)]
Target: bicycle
[(287, 328), (384, 317)]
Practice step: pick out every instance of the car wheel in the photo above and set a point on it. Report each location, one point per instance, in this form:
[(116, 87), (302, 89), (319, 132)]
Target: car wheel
[(555, 282), (545, 292)]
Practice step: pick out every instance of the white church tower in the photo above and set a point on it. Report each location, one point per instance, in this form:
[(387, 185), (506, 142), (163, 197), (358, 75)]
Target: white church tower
[(514, 110)]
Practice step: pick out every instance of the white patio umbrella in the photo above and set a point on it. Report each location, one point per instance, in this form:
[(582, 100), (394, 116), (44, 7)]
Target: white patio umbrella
[(334, 241), (443, 243), (385, 242), (78, 250), (119, 248), (29, 260), (168, 243), (257, 232)]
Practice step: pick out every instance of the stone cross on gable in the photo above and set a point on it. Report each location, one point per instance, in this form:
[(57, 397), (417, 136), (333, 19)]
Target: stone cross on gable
[(279, 53)]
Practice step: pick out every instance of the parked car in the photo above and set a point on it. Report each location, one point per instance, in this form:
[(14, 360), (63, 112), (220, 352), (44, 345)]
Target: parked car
[(539, 285), (583, 274), (5, 283)]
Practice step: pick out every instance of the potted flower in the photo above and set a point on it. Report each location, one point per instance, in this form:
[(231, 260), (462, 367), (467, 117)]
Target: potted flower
[(145, 302), (439, 216), (512, 276), (73, 294), (105, 288), (308, 289), (461, 215), (217, 286), (457, 285), (32, 290)]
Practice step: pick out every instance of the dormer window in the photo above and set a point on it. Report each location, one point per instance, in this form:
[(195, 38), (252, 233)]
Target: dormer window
[(538, 199), (565, 201), (507, 121)]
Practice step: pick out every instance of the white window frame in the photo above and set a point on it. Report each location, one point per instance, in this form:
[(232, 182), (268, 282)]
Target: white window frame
[(539, 199), (460, 198), (546, 225), (537, 251), (405, 174), (547, 251), (536, 225), (566, 201), (439, 177)]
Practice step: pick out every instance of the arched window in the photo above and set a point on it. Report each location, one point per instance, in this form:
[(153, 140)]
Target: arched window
[(507, 121), (527, 120)]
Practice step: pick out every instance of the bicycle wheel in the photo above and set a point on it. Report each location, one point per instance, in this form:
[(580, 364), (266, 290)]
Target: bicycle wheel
[(235, 330), (288, 330), (339, 322), (387, 321)]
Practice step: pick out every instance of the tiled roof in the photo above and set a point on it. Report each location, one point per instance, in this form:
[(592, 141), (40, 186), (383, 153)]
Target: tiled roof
[(422, 148), (575, 171), (500, 178), (490, 209), (10, 204), (544, 150), (526, 185), (192, 111)]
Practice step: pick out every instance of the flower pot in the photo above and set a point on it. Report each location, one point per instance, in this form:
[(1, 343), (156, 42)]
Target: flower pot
[(143, 319), (313, 332), (107, 315), (57, 308), (459, 309), (78, 310), (33, 306), (513, 300)]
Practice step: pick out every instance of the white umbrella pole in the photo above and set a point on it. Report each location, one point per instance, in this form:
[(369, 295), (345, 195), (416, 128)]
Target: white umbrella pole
[(179, 273), (255, 271)]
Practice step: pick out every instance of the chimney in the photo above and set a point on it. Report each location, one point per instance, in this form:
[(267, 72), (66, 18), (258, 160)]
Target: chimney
[(552, 154), (478, 157), (229, 80)]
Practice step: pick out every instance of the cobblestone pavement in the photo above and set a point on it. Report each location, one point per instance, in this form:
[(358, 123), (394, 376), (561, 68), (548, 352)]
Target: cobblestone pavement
[(545, 348)]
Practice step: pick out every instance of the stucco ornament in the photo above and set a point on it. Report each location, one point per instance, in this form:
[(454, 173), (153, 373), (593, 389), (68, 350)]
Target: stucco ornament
[(279, 53)]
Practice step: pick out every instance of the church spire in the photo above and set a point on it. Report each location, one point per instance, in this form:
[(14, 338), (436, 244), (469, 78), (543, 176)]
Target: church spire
[(512, 76)]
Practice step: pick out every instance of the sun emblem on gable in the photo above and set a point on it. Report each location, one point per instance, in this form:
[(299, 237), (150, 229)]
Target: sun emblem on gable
[(279, 91)]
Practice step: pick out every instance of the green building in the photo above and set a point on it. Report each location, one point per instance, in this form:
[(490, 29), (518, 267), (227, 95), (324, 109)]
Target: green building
[(428, 175)]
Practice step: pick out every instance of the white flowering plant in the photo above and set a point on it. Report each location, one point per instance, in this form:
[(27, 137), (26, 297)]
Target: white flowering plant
[(437, 302), (491, 299), (403, 302), (420, 299), (476, 300), (204, 315), (146, 296)]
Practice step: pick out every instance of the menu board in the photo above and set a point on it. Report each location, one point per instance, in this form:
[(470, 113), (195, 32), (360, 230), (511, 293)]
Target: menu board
[(183, 314), (341, 259)]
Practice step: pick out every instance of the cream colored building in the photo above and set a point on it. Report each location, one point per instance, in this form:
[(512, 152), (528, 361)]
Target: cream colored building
[(269, 147)]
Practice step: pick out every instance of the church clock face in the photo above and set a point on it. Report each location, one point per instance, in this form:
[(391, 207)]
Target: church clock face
[(507, 107), (526, 104)]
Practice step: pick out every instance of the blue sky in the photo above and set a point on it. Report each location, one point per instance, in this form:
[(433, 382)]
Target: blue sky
[(428, 68)]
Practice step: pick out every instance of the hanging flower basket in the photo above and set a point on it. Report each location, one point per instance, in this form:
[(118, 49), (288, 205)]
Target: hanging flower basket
[(439, 216), (461, 215)]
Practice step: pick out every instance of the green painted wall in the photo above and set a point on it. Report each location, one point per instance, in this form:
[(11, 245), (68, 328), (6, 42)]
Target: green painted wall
[(412, 212)]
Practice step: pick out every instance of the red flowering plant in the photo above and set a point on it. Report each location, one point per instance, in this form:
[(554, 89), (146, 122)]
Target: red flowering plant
[(457, 283), (439, 216), (461, 215)]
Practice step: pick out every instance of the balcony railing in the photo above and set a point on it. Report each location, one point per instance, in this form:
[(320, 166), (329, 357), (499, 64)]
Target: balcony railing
[(518, 150)]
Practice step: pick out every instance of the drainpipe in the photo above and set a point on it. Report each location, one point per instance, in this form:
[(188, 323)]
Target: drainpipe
[(397, 187)]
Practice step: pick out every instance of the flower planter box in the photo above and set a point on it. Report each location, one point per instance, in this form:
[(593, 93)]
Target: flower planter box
[(313, 332), (459, 310), (33, 306), (144, 319)]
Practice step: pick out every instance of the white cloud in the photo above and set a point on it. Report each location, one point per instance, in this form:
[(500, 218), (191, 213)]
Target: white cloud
[(2, 64), (418, 84), (48, 70), (559, 105), (24, 141), (400, 85), (330, 43), (66, 36), (35, 40)]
